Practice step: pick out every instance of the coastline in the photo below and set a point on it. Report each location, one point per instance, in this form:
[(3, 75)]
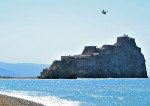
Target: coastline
[(13, 101), (19, 78)]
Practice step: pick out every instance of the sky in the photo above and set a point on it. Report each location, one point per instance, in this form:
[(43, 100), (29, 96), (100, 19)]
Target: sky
[(40, 31)]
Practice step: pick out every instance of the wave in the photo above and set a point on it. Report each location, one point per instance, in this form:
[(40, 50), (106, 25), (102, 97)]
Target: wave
[(45, 100)]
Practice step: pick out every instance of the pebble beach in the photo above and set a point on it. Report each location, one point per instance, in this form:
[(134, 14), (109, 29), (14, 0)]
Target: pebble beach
[(12, 101)]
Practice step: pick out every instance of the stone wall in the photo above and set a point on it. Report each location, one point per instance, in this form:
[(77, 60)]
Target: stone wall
[(88, 50)]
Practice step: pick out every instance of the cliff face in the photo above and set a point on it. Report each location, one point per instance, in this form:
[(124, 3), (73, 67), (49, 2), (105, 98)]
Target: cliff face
[(121, 60), (61, 69)]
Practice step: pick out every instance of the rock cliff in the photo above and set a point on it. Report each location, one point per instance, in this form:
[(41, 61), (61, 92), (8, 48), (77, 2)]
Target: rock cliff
[(121, 60), (61, 69)]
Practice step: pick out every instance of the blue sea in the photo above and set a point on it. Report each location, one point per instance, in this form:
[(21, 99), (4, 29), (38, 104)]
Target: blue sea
[(80, 92)]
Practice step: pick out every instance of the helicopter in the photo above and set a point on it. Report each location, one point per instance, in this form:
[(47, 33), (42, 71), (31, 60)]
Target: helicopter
[(104, 12)]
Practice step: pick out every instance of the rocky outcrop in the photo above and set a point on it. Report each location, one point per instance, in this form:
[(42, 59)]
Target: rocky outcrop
[(121, 60), (61, 69)]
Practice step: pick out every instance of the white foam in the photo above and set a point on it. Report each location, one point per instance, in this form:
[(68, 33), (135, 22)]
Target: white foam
[(45, 100)]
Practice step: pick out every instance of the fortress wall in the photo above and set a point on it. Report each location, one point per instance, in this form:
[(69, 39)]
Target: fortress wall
[(89, 49)]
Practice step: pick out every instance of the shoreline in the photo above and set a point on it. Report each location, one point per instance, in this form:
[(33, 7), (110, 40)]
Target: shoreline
[(67, 79), (6, 100), (19, 78)]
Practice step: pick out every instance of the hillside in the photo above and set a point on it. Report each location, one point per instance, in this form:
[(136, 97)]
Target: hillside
[(21, 69)]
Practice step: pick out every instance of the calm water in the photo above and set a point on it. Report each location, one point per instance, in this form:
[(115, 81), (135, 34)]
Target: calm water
[(82, 92)]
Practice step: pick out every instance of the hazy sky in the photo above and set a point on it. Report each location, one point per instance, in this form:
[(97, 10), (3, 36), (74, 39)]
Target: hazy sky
[(40, 31)]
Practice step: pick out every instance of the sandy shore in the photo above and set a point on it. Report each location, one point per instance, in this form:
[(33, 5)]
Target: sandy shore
[(12, 101)]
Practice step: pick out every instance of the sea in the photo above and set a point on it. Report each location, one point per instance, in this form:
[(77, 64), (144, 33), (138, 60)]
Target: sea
[(80, 92)]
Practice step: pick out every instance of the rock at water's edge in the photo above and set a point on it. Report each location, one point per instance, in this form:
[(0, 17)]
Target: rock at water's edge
[(121, 60)]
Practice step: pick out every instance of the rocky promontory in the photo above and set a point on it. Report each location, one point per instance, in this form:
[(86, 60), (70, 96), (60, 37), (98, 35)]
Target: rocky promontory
[(121, 60)]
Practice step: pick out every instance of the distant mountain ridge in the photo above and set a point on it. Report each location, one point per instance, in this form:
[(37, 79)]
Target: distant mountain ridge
[(21, 69)]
